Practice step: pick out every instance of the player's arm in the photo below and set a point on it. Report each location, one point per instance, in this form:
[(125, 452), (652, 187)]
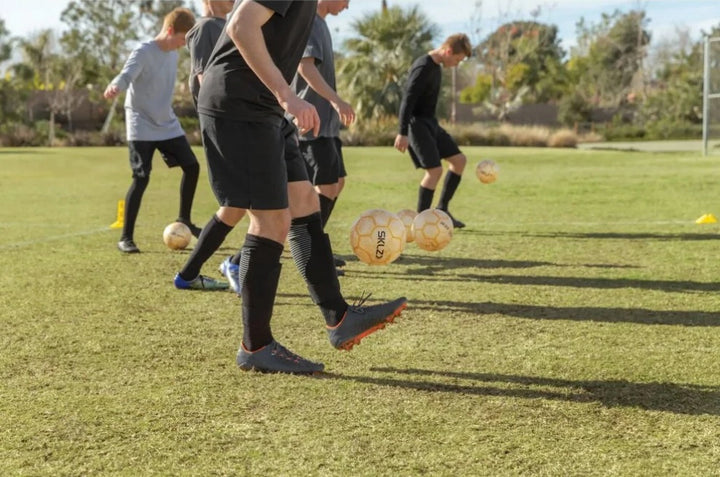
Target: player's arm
[(311, 74), (415, 84), (132, 69), (245, 30)]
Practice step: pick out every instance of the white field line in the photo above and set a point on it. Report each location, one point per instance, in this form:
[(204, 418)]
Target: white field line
[(53, 238)]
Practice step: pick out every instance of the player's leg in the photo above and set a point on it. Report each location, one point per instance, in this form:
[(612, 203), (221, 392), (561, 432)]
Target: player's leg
[(457, 161), (312, 253), (140, 153), (425, 155), (177, 152)]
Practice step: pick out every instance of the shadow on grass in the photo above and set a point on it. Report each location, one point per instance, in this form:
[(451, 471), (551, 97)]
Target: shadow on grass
[(583, 313), (569, 282), (628, 236), (668, 397)]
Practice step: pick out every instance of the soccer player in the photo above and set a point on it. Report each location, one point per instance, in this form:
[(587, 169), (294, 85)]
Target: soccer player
[(149, 78), (201, 40), (315, 83), (242, 102), (420, 132)]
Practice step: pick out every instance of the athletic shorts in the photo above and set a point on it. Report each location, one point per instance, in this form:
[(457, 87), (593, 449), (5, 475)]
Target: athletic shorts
[(428, 143), (250, 163), (175, 152), (324, 160)]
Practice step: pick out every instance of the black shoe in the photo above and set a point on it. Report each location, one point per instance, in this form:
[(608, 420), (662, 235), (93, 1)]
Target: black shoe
[(339, 262), (360, 321), (194, 229), (456, 223), (127, 246)]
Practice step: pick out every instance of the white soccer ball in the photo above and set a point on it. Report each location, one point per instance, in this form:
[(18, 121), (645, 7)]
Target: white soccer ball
[(177, 236), (407, 216), (487, 171), (377, 237), (433, 229)]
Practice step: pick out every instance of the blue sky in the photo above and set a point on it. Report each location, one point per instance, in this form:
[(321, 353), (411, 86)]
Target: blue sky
[(451, 15)]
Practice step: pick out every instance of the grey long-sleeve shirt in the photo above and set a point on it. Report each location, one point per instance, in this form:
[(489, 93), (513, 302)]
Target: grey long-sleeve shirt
[(149, 79)]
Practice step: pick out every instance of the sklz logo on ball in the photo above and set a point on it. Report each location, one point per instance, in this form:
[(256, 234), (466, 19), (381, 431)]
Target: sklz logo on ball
[(380, 247)]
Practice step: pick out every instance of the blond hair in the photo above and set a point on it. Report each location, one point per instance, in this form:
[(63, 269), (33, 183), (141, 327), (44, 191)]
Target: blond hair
[(181, 20), (458, 43)]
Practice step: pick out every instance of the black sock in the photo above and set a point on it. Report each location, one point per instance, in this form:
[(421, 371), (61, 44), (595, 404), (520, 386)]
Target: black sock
[(188, 184), (211, 237), (425, 197), (451, 183), (259, 275), (236, 258), (313, 257), (326, 204), (133, 198)]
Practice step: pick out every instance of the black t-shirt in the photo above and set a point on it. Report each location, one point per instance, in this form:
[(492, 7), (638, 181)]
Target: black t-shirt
[(231, 89), (421, 92)]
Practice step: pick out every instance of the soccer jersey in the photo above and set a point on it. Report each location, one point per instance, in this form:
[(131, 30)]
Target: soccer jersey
[(421, 92), (201, 40), (149, 79), (320, 48), (232, 90)]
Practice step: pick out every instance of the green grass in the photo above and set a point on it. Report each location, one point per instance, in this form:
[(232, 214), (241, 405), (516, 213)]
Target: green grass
[(573, 328)]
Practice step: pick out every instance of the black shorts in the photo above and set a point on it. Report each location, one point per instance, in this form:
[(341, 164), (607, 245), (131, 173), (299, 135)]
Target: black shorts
[(175, 152), (250, 163), (324, 160), (428, 143)]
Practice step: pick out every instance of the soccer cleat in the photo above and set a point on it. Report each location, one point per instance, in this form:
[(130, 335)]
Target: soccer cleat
[(194, 229), (456, 223), (339, 262), (232, 273), (275, 358), (200, 283), (360, 321), (127, 246)]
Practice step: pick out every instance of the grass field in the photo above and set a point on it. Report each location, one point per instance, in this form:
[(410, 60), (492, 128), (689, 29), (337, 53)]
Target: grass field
[(573, 328)]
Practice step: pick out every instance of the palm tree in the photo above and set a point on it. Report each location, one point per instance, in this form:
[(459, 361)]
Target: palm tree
[(377, 60)]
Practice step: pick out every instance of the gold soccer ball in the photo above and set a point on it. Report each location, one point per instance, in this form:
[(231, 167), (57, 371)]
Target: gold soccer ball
[(433, 229), (407, 216), (377, 237), (177, 236), (487, 171)]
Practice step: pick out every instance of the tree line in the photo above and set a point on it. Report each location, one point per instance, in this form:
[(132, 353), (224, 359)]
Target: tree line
[(650, 86)]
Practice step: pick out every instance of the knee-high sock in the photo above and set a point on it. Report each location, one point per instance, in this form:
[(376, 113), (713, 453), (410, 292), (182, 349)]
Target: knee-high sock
[(188, 184), (451, 183), (211, 237), (259, 275), (425, 197), (313, 257), (326, 206), (133, 198)]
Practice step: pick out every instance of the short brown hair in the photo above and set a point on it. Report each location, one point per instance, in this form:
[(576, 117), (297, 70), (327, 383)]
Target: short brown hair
[(458, 43), (181, 20)]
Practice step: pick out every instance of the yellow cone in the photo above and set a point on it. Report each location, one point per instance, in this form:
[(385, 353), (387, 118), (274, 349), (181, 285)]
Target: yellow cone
[(706, 219), (118, 224)]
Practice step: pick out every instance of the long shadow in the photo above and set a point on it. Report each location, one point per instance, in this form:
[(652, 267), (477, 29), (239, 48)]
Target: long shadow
[(669, 397), (640, 316), (627, 236)]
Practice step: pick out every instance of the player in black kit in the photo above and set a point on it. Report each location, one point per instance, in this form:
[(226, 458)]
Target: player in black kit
[(420, 132)]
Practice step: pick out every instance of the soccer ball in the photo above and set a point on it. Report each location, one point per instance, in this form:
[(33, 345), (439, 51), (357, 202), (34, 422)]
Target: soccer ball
[(407, 216), (433, 229), (377, 237), (487, 171), (177, 236)]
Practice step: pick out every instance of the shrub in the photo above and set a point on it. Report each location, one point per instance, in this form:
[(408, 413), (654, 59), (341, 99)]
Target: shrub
[(563, 138)]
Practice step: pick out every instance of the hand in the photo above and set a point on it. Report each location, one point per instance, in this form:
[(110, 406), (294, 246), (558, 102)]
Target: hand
[(345, 111), (111, 91), (306, 116), (401, 143)]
